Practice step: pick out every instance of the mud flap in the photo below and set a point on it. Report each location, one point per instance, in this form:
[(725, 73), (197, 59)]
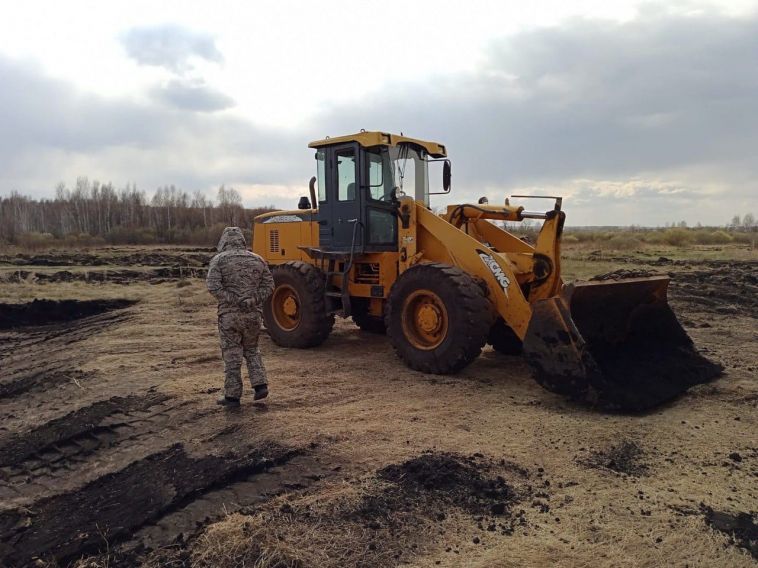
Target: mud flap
[(617, 345)]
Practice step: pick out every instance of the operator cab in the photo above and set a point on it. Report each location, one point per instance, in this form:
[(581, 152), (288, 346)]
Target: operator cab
[(359, 179)]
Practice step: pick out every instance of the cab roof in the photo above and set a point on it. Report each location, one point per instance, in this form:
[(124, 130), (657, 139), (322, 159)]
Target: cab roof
[(375, 138)]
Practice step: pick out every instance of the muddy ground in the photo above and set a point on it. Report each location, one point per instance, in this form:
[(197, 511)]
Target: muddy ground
[(113, 452)]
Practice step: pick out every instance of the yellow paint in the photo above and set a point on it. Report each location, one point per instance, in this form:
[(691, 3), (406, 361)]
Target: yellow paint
[(371, 139)]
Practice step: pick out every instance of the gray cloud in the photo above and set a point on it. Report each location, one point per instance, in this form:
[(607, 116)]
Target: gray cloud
[(169, 46), (663, 98), (192, 95), (52, 132), (643, 122)]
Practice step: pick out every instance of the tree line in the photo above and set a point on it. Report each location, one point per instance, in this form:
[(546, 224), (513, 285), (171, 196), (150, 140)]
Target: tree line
[(96, 213)]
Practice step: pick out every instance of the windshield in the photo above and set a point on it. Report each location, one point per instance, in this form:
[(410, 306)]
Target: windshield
[(403, 167)]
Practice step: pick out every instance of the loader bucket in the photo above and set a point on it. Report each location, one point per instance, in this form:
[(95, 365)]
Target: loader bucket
[(617, 345)]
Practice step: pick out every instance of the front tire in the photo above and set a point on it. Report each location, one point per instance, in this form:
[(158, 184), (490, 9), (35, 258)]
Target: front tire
[(437, 318), (295, 313)]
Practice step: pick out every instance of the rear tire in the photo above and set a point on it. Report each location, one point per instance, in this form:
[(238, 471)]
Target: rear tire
[(437, 318), (365, 321), (295, 313), (503, 339)]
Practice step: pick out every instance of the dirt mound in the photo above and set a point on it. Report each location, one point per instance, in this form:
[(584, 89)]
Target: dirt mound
[(44, 312), (624, 458), (452, 478), (721, 286), (114, 257), (726, 289), (741, 528), (623, 273)]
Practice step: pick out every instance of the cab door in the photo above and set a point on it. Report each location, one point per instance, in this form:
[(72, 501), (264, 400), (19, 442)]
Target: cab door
[(339, 215)]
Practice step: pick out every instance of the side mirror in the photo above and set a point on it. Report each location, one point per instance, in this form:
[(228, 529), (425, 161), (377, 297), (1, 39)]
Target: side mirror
[(446, 176)]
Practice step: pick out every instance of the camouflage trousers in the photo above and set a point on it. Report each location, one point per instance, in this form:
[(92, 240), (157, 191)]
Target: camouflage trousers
[(239, 338)]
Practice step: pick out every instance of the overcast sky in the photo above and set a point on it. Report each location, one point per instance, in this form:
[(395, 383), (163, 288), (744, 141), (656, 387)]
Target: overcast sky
[(638, 113)]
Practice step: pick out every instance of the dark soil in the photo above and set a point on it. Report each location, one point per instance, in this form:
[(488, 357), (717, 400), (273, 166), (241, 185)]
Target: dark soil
[(123, 276), (725, 289), (114, 257), (741, 528), (44, 312), (454, 479), (623, 458), (655, 363), (623, 273), (720, 286), (112, 507)]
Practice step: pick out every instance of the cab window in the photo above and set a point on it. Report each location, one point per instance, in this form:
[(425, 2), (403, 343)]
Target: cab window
[(346, 187), (321, 174), (380, 182)]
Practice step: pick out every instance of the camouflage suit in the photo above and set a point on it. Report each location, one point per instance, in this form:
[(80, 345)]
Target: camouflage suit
[(240, 281)]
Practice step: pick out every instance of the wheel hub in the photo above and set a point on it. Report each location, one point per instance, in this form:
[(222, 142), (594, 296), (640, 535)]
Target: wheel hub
[(285, 308), (289, 306), (424, 319), (428, 318)]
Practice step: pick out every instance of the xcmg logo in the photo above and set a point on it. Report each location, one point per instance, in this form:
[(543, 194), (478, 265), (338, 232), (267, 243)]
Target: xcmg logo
[(497, 272)]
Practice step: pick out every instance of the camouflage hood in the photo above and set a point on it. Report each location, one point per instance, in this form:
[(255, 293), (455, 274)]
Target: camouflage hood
[(231, 239)]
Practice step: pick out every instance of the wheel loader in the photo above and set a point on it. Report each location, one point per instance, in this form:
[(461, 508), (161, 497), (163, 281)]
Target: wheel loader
[(366, 244)]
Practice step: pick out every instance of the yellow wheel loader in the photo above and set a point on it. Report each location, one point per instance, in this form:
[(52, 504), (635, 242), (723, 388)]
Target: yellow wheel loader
[(367, 245)]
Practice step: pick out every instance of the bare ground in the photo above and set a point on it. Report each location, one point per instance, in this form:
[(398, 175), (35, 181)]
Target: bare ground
[(112, 451)]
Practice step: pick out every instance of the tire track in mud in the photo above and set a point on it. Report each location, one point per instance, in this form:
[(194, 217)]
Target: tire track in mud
[(36, 369), (112, 507), (40, 461), (243, 494)]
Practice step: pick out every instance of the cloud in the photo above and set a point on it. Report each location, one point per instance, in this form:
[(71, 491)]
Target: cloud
[(644, 122), (192, 95), (169, 46), (664, 97), (53, 132)]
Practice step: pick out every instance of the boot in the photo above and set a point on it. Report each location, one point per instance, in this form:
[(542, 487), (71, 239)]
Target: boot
[(261, 391), (228, 402)]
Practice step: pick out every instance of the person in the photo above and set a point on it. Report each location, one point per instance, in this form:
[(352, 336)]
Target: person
[(240, 281)]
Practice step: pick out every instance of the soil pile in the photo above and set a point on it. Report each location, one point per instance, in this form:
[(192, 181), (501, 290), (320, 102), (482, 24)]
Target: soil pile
[(717, 285), (623, 273), (623, 458), (727, 289), (158, 257), (44, 312), (455, 479), (741, 528)]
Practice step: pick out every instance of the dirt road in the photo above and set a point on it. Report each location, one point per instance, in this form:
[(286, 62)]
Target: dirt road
[(112, 448)]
